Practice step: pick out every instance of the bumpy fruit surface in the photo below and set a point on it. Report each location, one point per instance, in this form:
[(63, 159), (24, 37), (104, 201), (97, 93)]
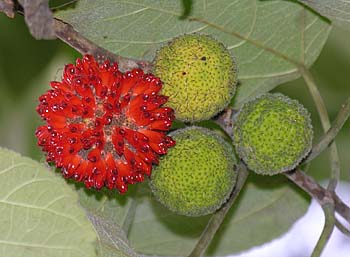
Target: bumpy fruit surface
[(197, 175), (272, 134), (198, 74)]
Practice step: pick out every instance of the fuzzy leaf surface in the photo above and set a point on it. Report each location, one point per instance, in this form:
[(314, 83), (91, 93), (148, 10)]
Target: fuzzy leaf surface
[(40, 216), (264, 36)]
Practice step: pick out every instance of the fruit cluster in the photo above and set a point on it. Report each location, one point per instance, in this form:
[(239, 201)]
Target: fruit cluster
[(272, 133), (108, 128)]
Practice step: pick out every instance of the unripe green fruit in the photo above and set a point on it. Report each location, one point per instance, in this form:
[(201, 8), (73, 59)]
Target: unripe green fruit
[(199, 75), (197, 175), (272, 134)]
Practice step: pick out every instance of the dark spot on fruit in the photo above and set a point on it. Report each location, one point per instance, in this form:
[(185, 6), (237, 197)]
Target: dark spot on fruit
[(204, 58), (184, 73)]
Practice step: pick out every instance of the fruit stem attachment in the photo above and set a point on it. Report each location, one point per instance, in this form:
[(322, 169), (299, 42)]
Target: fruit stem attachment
[(326, 124), (328, 228), (326, 139), (321, 195), (217, 218)]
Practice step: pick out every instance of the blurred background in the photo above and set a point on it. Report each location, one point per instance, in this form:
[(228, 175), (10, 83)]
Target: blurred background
[(27, 66)]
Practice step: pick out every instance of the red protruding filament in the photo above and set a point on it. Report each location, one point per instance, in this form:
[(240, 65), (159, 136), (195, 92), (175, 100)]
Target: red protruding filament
[(104, 127)]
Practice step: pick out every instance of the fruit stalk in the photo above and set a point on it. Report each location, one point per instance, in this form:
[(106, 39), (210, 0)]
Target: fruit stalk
[(218, 217), (326, 124), (328, 228), (326, 139)]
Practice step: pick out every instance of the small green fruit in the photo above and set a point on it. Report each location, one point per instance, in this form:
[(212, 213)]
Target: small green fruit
[(197, 175), (199, 75), (272, 134)]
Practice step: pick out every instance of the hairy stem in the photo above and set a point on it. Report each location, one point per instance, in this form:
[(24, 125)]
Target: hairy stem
[(322, 195), (326, 124), (66, 33), (218, 217), (328, 228), (327, 138)]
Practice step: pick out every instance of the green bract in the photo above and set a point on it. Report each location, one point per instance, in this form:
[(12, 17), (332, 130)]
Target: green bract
[(197, 175), (199, 76), (272, 134)]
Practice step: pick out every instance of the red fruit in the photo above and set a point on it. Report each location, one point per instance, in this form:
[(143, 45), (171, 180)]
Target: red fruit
[(104, 127)]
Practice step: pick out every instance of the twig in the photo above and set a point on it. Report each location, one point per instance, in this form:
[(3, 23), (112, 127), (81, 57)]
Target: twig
[(342, 228), (341, 208), (328, 228), (66, 33), (218, 217), (7, 7), (321, 195), (327, 138), (326, 124)]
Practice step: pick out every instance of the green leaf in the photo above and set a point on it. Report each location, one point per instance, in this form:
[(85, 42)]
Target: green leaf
[(110, 213), (338, 11), (266, 208), (268, 38), (39, 212)]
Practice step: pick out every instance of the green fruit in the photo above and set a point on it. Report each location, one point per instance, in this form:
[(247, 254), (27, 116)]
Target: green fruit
[(197, 175), (199, 75), (272, 134)]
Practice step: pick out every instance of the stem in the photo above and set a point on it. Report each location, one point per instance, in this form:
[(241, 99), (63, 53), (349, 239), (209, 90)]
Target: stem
[(327, 138), (315, 190), (342, 228), (217, 219), (326, 124), (225, 121), (66, 33), (328, 210), (130, 215)]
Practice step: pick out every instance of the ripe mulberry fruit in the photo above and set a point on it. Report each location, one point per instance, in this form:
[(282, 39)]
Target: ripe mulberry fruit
[(104, 127)]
